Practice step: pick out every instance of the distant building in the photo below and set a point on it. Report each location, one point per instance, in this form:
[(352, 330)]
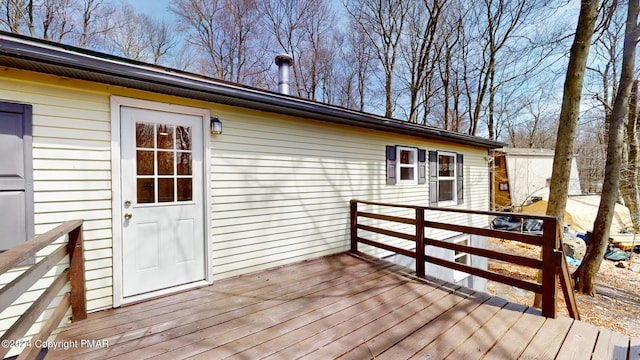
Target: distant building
[(522, 176)]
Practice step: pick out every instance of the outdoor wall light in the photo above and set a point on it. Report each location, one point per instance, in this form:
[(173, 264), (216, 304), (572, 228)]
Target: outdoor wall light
[(216, 126)]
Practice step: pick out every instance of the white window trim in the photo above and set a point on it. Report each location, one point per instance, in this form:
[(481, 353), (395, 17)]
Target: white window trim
[(399, 166), (453, 178), (461, 275)]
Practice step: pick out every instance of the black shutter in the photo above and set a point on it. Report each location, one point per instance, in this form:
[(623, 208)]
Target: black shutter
[(422, 166), (433, 178), (460, 178), (391, 165)]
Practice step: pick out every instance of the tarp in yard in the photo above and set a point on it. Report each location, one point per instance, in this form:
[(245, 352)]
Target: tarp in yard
[(581, 211)]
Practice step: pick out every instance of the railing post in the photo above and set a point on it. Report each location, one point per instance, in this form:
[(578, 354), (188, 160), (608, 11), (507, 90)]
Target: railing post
[(420, 271), (549, 279), (353, 204), (76, 275)]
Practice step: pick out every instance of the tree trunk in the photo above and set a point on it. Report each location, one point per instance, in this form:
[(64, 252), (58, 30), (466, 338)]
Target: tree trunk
[(569, 113), (586, 272), (629, 179), (559, 186)]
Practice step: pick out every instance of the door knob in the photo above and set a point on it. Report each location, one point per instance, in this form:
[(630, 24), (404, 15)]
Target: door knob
[(127, 216)]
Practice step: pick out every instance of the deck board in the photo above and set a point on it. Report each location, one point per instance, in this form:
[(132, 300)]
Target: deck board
[(343, 306), (516, 339), (335, 319), (634, 349), (443, 346), (580, 342), (477, 345), (548, 340), (610, 346)]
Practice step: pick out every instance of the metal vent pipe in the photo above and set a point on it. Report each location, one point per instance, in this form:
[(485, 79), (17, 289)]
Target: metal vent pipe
[(284, 61)]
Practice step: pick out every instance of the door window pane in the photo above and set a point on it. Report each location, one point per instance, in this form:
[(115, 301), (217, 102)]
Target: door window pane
[(183, 138), (144, 162), (144, 135), (145, 191), (165, 190), (165, 136), (184, 163), (165, 162), (185, 192)]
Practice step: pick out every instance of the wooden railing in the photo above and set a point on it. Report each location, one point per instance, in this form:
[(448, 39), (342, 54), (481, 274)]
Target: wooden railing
[(552, 263), (74, 274)]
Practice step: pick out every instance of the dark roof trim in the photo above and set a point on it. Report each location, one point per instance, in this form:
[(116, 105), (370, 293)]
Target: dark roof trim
[(47, 57)]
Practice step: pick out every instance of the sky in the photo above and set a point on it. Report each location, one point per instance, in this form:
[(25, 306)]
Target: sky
[(153, 7)]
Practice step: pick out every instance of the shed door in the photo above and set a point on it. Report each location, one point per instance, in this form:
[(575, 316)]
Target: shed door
[(162, 200), (16, 185)]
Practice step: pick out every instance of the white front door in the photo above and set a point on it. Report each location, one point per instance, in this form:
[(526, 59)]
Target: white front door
[(162, 200)]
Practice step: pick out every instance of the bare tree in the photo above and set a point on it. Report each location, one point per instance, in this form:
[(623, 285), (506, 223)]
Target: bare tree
[(629, 174), (536, 127), (503, 30), (565, 139), (128, 38), (160, 36), (57, 19), (95, 23), (420, 50), (453, 70), (586, 272), (304, 30), (226, 33), (591, 152), (382, 22), (362, 63), (15, 15)]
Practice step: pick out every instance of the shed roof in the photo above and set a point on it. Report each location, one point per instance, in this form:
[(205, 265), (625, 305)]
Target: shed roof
[(528, 152), (27, 53)]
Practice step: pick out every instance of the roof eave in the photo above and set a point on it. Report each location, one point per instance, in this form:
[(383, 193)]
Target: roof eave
[(54, 59)]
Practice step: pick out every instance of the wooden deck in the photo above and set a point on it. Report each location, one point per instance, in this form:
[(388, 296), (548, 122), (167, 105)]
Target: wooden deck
[(341, 306)]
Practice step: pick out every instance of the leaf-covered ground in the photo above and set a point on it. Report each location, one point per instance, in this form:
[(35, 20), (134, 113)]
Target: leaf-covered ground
[(616, 305)]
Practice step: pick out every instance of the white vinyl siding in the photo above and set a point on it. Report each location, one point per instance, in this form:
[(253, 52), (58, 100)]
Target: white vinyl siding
[(280, 186), (72, 180)]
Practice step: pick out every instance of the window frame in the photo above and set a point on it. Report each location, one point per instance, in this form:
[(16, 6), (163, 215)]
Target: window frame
[(400, 166), (452, 179)]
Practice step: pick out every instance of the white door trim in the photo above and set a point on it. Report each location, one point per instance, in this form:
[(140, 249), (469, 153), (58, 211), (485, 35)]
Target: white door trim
[(116, 201)]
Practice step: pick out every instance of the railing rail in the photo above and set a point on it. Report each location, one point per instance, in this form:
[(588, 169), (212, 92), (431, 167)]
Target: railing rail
[(552, 264), (74, 274)]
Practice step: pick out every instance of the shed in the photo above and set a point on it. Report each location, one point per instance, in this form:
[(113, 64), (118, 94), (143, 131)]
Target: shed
[(522, 176)]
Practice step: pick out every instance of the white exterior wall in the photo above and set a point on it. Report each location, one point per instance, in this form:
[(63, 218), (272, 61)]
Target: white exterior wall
[(72, 180), (528, 175), (280, 186)]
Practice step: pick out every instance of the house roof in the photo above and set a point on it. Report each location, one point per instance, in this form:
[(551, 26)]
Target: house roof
[(27, 53)]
